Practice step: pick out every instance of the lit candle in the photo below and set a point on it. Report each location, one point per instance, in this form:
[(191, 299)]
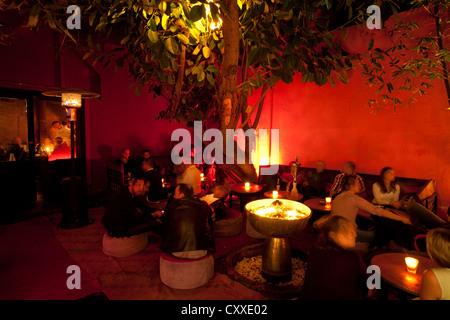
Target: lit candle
[(247, 185), (202, 176), (275, 194), (411, 264), (328, 201)]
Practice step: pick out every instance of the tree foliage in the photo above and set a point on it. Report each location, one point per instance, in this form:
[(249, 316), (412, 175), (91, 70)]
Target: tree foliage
[(173, 50), (411, 64), (206, 57)]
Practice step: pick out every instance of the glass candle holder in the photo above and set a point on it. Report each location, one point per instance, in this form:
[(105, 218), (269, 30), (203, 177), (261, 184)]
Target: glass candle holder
[(247, 186), (275, 194), (411, 264), (328, 200)]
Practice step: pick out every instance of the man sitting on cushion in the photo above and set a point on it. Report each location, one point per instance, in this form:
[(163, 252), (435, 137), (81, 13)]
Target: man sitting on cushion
[(216, 200), (187, 225), (126, 214)]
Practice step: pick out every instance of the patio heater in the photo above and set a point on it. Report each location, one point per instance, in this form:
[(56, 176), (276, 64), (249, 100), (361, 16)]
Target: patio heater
[(74, 208)]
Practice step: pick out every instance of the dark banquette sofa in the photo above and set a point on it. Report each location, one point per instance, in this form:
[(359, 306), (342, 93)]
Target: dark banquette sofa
[(423, 190)]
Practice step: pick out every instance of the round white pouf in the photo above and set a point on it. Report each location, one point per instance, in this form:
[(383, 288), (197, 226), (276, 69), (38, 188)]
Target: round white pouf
[(124, 247), (251, 232), (229, 227), (179, 273)]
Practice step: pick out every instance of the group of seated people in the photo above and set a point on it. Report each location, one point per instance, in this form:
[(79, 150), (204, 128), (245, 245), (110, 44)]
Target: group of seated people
[(187, 221), (336, 272), (390, 217)]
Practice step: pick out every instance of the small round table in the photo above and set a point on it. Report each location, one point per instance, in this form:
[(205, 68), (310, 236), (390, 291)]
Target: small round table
[(283, 195), (243, 193), (318, 204), (393, 271), (319, 208)]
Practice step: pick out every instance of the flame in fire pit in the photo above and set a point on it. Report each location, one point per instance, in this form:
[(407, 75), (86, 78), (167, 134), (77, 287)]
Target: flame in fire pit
[(278, 210)]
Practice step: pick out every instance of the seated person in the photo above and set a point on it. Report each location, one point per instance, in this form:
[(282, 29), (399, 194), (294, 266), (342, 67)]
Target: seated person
[(191, 176), (130, 168), (16, 149), (316, 182), (126, 215), (216, 200), (386, 191), (187, 225), (348, 203), (334, 271), (288, 177), (150, 174), (348, 170), (436, 281), (147, 155)]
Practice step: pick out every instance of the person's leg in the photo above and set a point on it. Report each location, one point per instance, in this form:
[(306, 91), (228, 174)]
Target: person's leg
[(388, 229), (425, 216), (365, 236), (146, 224)]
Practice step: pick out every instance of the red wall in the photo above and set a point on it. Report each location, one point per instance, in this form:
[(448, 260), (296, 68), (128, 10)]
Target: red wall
[(121, 119), (336, 125)]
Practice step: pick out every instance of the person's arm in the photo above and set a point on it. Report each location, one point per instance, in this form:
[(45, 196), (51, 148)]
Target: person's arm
[(397, 193), (431, 290), (335, 185), (372, 209), (362, 186), (390, 215)]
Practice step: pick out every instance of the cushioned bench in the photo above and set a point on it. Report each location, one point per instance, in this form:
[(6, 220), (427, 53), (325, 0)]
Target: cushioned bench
[(179, 273), (423, 190)]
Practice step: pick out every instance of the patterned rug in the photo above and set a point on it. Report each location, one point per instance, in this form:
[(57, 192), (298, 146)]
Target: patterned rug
[(137, 277)]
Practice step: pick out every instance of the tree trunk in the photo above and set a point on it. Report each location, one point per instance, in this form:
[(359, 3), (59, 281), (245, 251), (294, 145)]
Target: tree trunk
[(227, 90)]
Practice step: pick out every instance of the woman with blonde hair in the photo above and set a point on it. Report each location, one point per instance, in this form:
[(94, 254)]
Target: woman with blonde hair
[(436, 281), (335, 271)]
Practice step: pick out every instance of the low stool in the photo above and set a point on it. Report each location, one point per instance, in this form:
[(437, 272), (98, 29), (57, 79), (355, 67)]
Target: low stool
[(180, 273), (125, 246), (229, 227)]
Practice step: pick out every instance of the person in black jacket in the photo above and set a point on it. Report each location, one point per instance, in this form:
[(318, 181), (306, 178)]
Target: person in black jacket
[(155, 191), (126, 213), (187, 225)]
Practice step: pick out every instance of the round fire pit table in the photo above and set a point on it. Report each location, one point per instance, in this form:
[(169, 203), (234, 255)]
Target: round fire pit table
[(277, 220)]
